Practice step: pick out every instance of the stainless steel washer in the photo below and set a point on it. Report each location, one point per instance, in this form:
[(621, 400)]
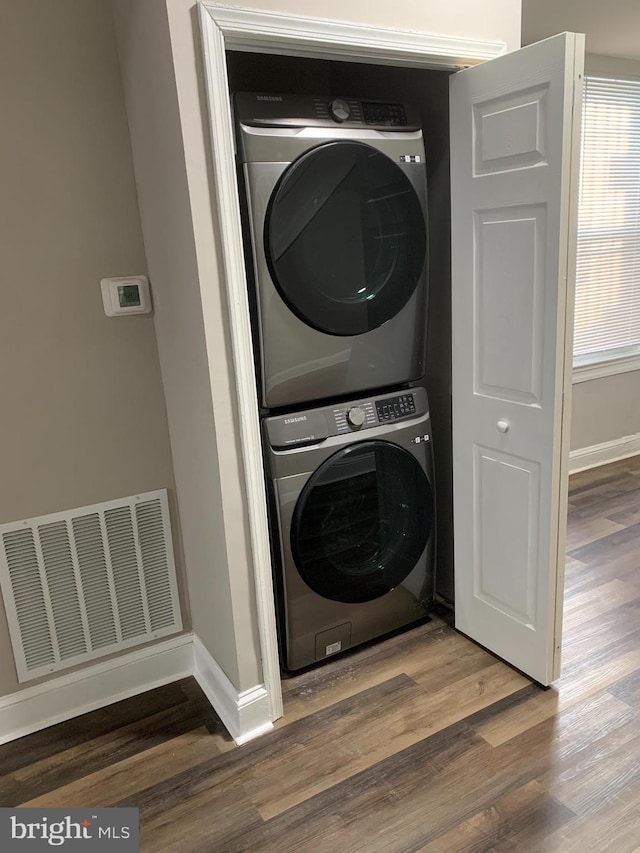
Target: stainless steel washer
[(336, 205), (352, 506)]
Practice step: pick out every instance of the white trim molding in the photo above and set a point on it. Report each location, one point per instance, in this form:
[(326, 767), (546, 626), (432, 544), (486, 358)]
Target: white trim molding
[(318, 38), (246, 714), (602, 454), (222, 28), (609, 367), (93, 687)]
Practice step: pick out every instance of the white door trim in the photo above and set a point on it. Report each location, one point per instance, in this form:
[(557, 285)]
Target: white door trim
[(223, 28), (245, 715), (297, 35)]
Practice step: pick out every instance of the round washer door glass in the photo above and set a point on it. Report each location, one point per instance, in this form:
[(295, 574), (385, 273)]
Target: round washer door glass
[(345, 238), (362, 522)]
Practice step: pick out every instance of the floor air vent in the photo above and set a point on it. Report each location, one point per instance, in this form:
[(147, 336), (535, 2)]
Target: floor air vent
[(81, 584)]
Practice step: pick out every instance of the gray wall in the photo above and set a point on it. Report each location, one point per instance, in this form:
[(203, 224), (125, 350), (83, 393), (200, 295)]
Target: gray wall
[(494, 20), (198, 382), (605, 409), (608, 408), (611, 28), (83, 412)]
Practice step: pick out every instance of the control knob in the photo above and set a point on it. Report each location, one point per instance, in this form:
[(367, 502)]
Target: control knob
[(356, 417), (339, 110)]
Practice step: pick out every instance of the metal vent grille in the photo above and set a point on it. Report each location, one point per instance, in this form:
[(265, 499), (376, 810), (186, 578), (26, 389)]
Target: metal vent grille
[(82, 584)]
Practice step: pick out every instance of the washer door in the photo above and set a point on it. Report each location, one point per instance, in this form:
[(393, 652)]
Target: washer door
[(362, 522), (345, 238)]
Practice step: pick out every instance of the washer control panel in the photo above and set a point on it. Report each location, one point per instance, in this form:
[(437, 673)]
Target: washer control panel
[(396, 407), (364, 414), (354, 417), (314, 426)]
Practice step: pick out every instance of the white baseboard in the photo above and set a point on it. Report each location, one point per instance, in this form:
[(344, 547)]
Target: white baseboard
[(245, 715), (95, 686), (602, 454)]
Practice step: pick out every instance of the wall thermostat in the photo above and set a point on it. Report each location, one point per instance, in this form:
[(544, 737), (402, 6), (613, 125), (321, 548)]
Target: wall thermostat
[(129, 295)]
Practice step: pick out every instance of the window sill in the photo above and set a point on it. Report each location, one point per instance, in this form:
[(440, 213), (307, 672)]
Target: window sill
[(599, 369)]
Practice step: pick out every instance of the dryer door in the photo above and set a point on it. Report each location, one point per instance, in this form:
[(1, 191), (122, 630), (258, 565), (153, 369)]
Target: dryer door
[(362, 522), (345, 238)]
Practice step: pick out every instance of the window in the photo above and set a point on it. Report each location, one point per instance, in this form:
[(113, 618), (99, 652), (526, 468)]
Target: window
[(607, 320)]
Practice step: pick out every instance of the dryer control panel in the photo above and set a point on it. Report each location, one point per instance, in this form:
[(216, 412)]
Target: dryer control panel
[(315, 425), (259, 109)]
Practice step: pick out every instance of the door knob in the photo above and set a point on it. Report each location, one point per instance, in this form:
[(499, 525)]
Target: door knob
[(503, 426)]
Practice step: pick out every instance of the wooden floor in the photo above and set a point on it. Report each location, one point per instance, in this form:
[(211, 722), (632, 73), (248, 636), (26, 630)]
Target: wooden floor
[(422, 743)]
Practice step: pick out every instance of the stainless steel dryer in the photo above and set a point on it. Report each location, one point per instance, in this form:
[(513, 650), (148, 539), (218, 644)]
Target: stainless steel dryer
[(336, 205), (352, 506)]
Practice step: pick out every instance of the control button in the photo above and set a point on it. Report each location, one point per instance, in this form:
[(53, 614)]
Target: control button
[(340, 109), (356, 417)]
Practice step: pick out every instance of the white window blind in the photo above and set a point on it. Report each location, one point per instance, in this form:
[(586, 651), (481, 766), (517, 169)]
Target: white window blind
[(607, 321)]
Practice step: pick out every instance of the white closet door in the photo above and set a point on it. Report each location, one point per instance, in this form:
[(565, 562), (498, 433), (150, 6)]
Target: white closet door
[(515, 135)]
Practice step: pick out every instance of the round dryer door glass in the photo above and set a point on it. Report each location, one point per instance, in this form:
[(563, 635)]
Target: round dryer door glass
[(362, 522), (345, 238)]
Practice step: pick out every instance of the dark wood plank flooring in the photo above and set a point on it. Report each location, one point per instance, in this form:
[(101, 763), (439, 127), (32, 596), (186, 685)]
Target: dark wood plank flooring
[(424, 742)]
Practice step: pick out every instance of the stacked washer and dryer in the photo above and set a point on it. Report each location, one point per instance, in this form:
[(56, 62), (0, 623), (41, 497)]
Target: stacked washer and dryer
[(335, 207)]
